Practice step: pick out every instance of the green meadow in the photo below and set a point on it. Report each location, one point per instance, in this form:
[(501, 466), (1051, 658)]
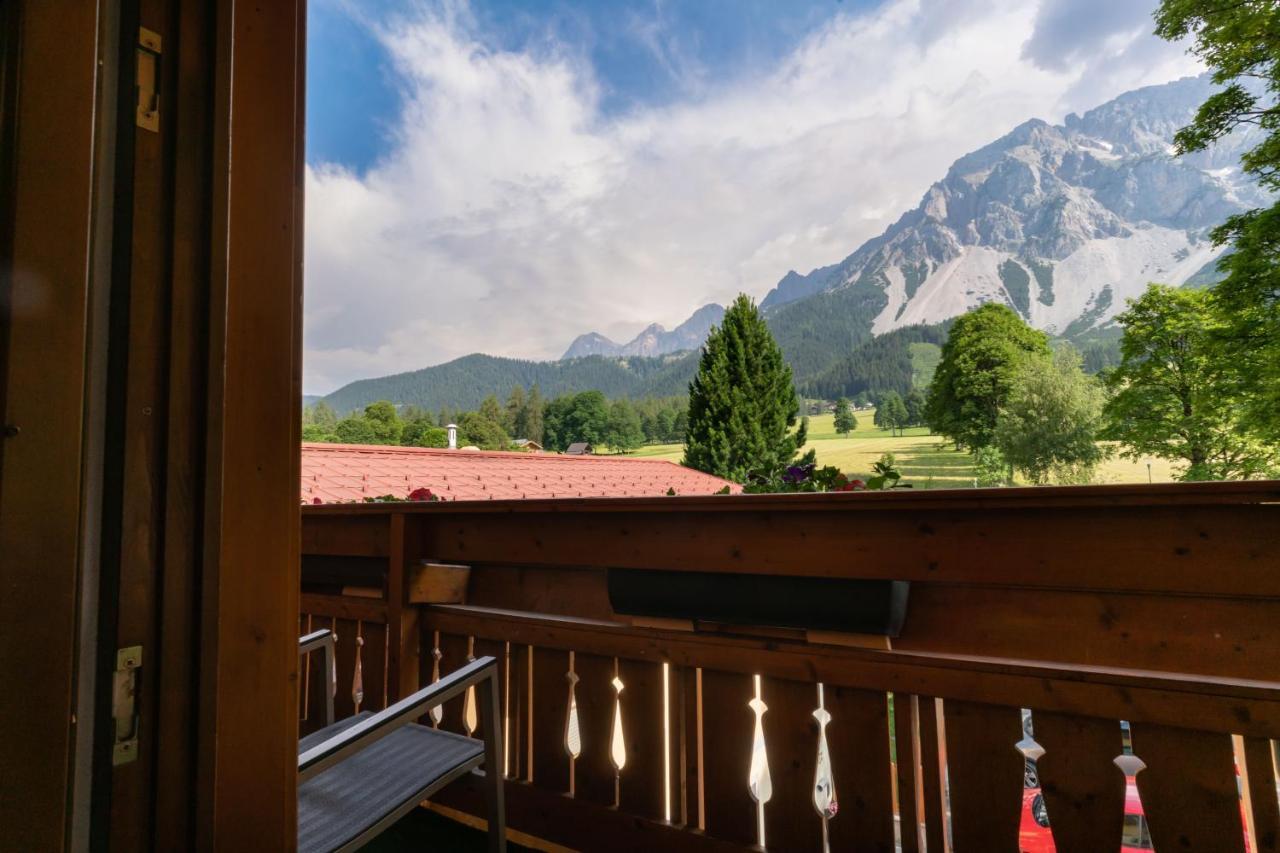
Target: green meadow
[(925, 460)]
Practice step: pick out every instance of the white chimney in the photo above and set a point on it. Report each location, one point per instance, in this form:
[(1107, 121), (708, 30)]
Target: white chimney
[(453, 436)]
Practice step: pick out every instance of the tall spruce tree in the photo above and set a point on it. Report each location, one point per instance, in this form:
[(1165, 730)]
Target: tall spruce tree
[(844, 420), (742, 402)]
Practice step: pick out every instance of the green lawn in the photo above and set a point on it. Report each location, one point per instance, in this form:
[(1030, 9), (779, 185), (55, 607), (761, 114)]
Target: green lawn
[(922, 458)]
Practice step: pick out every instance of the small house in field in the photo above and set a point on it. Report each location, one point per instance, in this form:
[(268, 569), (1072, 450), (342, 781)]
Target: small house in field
[(527, 445), (579, 448)]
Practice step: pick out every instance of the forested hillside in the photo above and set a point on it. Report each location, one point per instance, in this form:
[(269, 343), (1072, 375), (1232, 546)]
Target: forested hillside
[(886, 363), (463, 383)]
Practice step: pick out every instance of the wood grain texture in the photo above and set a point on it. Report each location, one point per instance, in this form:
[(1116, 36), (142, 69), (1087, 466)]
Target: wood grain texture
[(858, 738), (642, 782), (47, 158), (595, 775), (1164, 548), (791, 736), (549, 708), (910, 795), (933, 769), (1222, 704), (1261, 762), (985, 773), (581, 825), (453, 654), (1083, 790), (374, 661), (727, 729), (1188, 789), (248, 766)]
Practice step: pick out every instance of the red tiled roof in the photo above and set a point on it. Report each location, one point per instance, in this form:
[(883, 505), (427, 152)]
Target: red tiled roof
[(333, 473)]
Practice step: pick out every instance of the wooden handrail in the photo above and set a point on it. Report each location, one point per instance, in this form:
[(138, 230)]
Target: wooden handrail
[(1154, 605)]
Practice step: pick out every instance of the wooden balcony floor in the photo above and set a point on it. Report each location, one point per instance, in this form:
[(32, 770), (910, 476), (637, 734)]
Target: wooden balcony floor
[(423, 830)]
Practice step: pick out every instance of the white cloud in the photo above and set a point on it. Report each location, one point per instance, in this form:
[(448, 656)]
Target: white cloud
[(512, 214)]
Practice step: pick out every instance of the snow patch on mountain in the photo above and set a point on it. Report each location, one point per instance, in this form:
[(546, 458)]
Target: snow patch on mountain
[(1063, 223)]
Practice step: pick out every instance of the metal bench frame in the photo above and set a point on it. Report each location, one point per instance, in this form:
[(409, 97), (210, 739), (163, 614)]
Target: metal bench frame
[(482, 674)]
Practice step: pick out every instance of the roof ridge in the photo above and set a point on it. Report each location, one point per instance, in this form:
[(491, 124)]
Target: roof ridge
[(500, 454)]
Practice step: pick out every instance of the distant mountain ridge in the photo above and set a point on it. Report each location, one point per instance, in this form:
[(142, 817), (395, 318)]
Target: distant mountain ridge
[(464, 382), (654, 340), (1062, 223)]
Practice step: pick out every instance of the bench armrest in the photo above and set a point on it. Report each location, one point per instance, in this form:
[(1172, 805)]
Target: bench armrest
[(383, 723)]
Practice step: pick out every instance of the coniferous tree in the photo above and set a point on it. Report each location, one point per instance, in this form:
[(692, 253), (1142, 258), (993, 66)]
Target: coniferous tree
[(742, 402), (532, 418), (845, 422), (514, 417)]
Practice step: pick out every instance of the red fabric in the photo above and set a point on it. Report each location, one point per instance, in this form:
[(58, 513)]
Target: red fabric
[(333, 473)]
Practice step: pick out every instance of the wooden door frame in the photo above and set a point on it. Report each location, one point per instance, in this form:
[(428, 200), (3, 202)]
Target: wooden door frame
[(219, 720)]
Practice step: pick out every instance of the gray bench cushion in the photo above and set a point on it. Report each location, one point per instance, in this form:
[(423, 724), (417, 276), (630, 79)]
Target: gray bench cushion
[(337, 805)]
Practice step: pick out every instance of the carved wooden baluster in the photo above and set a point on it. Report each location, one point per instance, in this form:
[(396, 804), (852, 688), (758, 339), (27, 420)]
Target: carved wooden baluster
[(759, 782), (436, 713), (824, 782), (470, 718), (333, 670), (357, 677), (572, 729), (617, 740)]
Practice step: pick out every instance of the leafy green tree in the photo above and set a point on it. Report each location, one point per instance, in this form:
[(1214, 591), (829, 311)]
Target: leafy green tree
[(845, 422), (983, 353), (1240, 42), (1175, 395), (742, 402), (356, 429), (418, 423), (990, 468), (891, 413), (624, 432), (384, 422), (915, 407), (320, 415), (1048, 428), (482, 431), (576, 417), (432, 437), (315, 432)]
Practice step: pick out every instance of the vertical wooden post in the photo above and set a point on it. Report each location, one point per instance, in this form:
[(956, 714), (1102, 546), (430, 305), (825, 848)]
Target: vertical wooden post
[(403, 634), (247, 729)]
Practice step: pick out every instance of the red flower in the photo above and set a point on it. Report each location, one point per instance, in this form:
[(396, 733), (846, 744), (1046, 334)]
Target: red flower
[(316, 501), (421, 494), (853, 486)]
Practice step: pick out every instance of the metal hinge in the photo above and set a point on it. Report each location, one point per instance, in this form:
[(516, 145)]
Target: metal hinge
[(148, 82), (124, 704)]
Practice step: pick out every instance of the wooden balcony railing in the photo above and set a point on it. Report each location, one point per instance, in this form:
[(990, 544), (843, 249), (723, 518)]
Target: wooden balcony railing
[(1157, 606)]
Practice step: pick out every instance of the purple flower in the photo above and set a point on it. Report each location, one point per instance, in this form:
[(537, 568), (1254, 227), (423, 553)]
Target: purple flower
[(796, 474)]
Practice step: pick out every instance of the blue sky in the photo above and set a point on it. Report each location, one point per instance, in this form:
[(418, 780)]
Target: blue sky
[(644, 54), (502, 175)]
